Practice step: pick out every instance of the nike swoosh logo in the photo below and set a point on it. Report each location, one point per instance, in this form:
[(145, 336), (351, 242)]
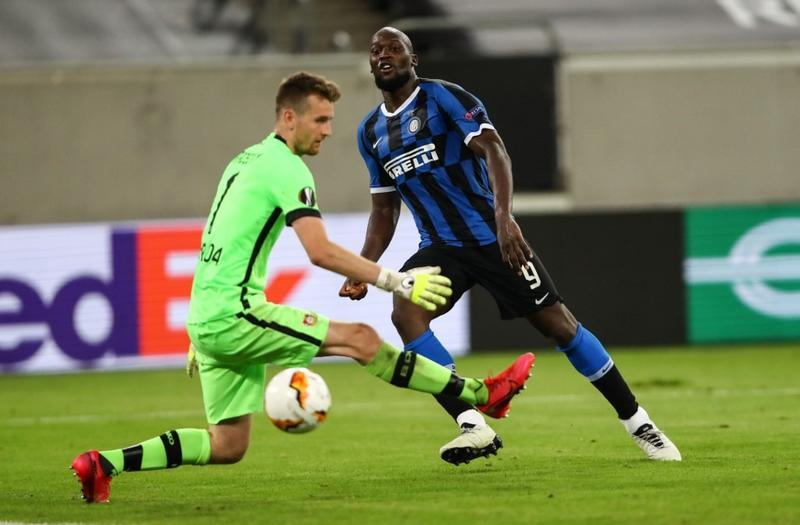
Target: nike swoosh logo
[(540, 301), (377, 142)]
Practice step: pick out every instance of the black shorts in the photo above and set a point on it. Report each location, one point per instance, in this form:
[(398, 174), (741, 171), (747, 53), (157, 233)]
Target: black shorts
[(517, 295)]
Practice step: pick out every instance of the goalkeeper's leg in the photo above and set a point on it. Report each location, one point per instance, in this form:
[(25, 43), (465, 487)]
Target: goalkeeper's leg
[(410, 370), (224, 442), (403, 369), (173, 448)]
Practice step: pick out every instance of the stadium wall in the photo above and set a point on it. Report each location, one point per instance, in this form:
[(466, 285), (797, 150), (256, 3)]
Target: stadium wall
[(109, 143), (683, 128)]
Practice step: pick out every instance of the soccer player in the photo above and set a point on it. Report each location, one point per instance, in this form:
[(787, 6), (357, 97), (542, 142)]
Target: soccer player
[(235, 331), (432, 145)]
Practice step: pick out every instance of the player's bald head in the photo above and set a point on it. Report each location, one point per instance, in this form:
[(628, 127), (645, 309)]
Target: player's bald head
[(393, 32)]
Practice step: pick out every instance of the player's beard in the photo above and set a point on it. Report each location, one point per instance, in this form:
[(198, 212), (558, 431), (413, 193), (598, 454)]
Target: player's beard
[(393, 83)]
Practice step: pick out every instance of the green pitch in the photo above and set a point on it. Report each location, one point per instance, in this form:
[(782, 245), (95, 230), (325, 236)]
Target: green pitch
[(733, 412)]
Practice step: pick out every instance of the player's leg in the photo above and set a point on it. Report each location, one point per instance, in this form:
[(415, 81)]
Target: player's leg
[(183, 446), (532, 294), (230, 394), (233, 387), (223, 443), (476, 438), (413, 326), (589, 357), (410, 370), (586, 354), (288, 336), (230, 439)]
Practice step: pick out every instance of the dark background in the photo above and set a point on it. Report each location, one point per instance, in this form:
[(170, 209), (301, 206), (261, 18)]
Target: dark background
[(519, 95), (620, 273)]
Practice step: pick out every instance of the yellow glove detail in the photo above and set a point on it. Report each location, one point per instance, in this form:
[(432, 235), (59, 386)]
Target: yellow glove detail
[(430, 291), (191, 362), (422, 286)]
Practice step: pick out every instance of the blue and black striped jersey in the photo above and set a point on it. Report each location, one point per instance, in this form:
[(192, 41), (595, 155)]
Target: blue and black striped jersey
[(421, 150)]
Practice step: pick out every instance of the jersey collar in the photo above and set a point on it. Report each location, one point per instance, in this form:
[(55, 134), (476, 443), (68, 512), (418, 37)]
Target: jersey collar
[(403, 106)]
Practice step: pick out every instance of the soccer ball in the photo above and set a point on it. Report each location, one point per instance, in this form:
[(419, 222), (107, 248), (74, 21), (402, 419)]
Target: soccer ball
[(297, 400)]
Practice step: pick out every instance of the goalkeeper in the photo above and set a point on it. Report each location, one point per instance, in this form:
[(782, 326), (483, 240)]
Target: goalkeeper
[(235, 331)]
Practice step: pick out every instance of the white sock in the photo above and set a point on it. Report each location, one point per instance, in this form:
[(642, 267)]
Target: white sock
[(638, 419), (473, 417)]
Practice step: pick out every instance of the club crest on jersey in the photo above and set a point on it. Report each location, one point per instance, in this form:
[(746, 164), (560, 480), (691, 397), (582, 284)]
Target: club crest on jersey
[(414, 159), (310, 319), (307, 196), (414, 125), (473, 113)]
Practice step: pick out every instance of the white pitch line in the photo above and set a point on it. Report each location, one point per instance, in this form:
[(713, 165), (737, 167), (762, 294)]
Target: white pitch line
[(29, 523), (668, 393), (370, 405), (95, 418)]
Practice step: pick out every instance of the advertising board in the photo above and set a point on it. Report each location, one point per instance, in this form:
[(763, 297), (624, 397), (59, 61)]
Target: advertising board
[(117, 295), (742, 273), (620, 273)]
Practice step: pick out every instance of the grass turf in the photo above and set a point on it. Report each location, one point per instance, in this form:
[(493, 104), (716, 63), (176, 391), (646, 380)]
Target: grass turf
[(733, 412)]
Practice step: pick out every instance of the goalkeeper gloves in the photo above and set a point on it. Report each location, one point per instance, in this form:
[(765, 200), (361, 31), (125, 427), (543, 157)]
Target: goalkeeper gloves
[(422, 286)]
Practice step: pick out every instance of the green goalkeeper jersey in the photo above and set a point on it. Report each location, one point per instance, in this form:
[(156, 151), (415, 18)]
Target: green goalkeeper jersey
[(264, 188)]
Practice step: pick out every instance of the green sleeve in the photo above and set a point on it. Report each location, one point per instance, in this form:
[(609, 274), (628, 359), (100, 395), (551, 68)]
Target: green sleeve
[(297, 194)]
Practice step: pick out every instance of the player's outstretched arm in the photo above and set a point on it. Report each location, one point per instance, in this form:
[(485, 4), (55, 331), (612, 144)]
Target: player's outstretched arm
[(423, 286), (380, 230)]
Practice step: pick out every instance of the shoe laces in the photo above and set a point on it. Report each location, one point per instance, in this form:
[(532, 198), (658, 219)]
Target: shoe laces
[(467, 428), (650, 434)]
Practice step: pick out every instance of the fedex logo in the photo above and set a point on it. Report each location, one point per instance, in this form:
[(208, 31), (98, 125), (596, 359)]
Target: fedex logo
[(108, 296), (97, 291)]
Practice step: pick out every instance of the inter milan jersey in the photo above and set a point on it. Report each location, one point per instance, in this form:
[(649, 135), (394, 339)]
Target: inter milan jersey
[(421, 151)]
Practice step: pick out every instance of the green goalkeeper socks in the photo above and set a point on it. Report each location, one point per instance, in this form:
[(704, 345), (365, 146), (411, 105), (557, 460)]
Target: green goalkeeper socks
[(411, 370), (185, 446)]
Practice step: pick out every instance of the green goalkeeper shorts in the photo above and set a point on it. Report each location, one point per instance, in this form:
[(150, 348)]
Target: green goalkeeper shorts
[(233, 353)]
